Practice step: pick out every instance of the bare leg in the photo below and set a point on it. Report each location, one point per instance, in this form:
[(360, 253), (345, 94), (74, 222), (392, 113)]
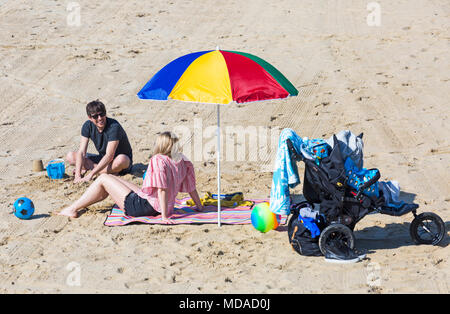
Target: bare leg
[(119, 163), (105, 185), (88, 164), (130, 185)]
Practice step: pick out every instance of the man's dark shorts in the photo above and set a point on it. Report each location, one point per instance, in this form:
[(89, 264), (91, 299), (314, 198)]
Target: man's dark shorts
[(96, 159)]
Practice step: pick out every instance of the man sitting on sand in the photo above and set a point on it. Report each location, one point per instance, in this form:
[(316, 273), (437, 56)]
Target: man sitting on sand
[(114, 150)]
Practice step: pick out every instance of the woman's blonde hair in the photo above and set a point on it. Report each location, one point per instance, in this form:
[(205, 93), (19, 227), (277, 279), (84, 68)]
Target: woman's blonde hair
[(167, 144)]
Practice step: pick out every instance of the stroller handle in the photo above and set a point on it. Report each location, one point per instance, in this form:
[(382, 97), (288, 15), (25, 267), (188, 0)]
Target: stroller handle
[(293, 152)]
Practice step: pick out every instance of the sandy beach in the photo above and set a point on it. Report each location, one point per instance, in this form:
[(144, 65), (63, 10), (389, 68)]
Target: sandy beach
[(390, 81)]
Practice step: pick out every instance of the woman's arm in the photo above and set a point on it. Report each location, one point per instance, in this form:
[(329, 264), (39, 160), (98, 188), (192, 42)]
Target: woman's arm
[(162, 199), (196, 199)]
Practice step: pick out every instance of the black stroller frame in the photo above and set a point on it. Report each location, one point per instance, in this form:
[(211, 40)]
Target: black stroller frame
[(343, 207)]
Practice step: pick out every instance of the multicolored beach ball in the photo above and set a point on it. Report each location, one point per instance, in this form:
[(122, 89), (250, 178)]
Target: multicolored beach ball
[(23, 208), (263, 219)]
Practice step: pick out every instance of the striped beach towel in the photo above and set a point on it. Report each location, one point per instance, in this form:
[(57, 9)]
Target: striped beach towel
[(186, 215)]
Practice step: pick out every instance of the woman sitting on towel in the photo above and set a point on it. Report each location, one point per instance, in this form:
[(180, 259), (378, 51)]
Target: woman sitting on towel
[(168, 173)]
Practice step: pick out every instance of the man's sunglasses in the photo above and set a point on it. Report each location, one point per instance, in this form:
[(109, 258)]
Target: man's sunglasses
[(95, 116)]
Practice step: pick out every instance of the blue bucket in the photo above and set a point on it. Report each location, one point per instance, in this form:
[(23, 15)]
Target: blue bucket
[(56, 169)]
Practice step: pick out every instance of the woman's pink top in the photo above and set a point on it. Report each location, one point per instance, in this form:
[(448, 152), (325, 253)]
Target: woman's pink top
[(165, 173)]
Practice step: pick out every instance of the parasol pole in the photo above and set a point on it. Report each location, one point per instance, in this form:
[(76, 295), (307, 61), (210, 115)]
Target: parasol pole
[(218, 161), (218, 165)]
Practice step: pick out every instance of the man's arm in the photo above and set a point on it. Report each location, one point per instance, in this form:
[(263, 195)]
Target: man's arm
[(105, 161), (81, 154)]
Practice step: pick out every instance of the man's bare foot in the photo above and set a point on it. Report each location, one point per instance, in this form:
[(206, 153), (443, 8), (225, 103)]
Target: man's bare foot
[(68, 212)]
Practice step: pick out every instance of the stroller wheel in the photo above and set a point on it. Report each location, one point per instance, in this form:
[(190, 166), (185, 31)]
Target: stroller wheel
[(334, 232), (427, 228)]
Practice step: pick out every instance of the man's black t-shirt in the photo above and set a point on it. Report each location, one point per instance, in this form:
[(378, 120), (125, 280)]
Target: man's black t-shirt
[(112, 132)]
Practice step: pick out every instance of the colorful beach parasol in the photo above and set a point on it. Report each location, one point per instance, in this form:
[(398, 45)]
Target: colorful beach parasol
[(218, 77)]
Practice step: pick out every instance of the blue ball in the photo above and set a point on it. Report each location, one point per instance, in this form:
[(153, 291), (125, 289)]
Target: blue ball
[(23, 208)]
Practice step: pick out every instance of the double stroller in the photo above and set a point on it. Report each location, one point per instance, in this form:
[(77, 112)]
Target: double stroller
[(344, 199)]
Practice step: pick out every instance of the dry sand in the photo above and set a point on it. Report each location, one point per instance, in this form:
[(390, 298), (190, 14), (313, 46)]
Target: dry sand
[(391, 82)]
